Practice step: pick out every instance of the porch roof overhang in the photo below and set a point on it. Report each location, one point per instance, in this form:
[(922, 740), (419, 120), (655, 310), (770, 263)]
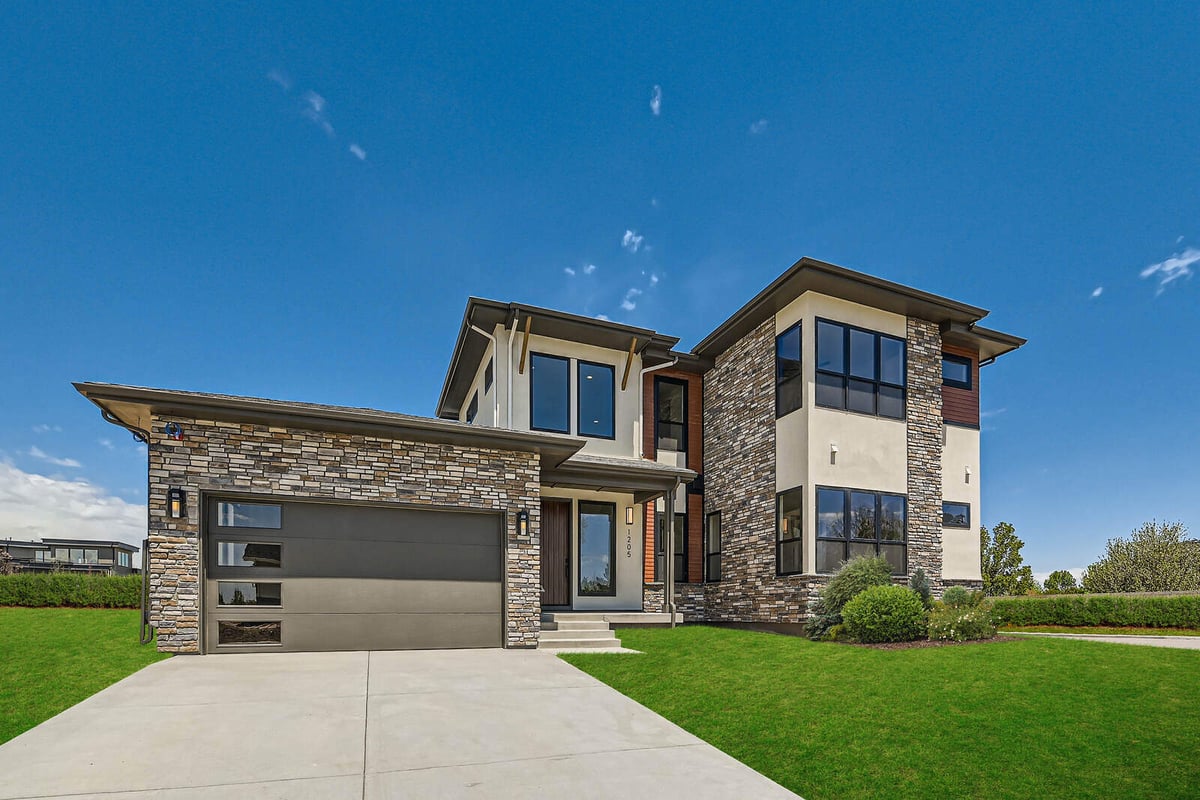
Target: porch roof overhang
[(645, 479)]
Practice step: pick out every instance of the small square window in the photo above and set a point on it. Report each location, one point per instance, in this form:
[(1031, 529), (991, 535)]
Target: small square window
[(956, 371), (956, 515)]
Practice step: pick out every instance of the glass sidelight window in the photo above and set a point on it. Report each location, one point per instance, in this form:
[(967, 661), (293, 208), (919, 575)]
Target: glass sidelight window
[(712, 546), (680, 546), (550, 393), (597, 548)]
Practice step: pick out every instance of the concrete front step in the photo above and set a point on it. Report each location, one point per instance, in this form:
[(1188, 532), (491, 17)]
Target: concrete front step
[(579, 644), (612, 617), (556, 635), (574, 625)]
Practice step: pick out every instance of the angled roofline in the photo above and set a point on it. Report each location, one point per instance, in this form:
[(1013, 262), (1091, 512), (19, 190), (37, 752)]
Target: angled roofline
[(486, 314), (810, 274), (103, 543)]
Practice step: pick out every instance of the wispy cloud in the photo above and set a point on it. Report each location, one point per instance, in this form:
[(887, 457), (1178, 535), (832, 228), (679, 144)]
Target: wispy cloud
[(1176, 267), (588, 269), (358, 152), (995, 412), (758, 127), (602, 316), (629, 302), (1099, 290), (47, 429), (656, 100), (1179, 239), (106, 444), (569, 270), (654, 202), (314, 112), (654, 279), (631, 241), (280, 78), (33, 506), (37, 453)]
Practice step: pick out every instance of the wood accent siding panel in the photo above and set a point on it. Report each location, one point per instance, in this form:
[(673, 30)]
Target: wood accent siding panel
[(961, 406)]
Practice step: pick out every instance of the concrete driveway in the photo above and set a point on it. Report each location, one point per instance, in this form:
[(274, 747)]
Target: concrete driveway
[(447, 724)]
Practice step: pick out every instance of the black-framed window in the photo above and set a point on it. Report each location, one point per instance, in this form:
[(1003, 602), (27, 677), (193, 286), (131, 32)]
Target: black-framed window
[(956, 515), (789, 378), (854, 522), (860, 370), (681, 546), (670, 415), (597, 399), (597, 548), (473, 407), (956, 371), (549, 393), (232, 514), (789, 532), (488, 376), (712, 546)]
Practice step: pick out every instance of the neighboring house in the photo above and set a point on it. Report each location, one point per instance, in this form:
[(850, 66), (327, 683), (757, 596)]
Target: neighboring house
[(578, 464), (71, 555)]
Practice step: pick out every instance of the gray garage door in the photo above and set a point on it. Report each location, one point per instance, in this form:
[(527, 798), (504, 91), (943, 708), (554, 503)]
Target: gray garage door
[(305, 576)]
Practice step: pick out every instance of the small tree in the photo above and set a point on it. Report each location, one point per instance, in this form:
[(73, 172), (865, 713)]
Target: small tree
[(1060, 582), (1155, 558), (920, 584), (1004, 570)]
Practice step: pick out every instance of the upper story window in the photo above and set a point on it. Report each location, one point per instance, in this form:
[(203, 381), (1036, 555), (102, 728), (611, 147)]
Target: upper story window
[(597, 399), (860, 370), (550, 393), (956, 515), (789, 379), (670, 420), (956, 371), (473, 407), (122, 558), (853, 523)]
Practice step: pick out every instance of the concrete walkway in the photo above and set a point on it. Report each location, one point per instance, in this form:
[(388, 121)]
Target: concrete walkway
[(1180, 642), (446, 724)]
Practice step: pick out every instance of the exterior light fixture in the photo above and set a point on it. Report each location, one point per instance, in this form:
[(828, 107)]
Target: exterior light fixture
[(176, 503), (833, 451), (967, 477), (629, 515), (522, 523)]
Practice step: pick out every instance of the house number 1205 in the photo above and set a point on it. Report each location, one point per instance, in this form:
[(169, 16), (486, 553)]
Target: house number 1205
[(628, 544)]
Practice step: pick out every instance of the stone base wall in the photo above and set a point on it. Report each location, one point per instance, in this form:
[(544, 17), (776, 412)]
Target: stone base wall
[(690, 600), (924, 425), (298, 463)]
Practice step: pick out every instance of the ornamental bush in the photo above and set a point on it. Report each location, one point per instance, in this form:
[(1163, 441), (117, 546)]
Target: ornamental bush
[(885, 614), (961, 623), (961, 597), (852, 577), (49, 589)]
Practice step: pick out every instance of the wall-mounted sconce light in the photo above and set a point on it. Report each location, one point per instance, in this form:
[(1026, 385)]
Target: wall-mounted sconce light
[(522, 523), (967, 477), (176, 503), (629, 515), (833, 451)]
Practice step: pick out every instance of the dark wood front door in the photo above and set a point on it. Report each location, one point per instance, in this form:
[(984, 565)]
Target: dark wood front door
[(556, 552)]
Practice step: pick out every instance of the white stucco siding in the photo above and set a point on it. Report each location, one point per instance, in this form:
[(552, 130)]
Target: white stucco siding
[(960, 547), (487, 399)]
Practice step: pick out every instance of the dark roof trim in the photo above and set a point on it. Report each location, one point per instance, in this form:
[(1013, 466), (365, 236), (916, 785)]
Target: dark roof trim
[(118, 545), (117, 399), (470, 347), (988, 343), (640, 477), (809, 274)]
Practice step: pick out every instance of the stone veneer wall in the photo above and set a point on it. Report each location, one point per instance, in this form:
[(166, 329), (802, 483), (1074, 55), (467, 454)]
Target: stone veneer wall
[(924, 423), (299, 463)]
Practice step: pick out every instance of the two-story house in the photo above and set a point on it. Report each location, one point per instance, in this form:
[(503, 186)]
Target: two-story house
[(71, 555), (576, 465)]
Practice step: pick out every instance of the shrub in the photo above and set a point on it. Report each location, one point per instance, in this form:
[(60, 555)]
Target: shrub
[(852, 577), (920, 584), (49, 589), (961, 623), (1098, 610), (885, 614), (961, 597)]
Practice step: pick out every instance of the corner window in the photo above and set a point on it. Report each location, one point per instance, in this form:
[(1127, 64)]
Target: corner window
[(597, 399), (789, 532), (679, 548), (670, 420), (597, 548), (956, 515), (789, 378), (712, 546), (860, 370), (473, 408), (549, 393), (852, 523), (956, 371), (248, 515)]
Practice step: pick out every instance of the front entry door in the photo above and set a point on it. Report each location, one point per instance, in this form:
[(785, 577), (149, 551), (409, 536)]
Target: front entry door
[(556, 552)]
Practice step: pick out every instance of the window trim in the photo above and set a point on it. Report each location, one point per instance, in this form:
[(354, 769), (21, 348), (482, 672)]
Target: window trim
[(532, 427), (661, 379), (967, 506), (612, 549), (846, 376), (709, 553), (968, 384), (848, 540), (579, 365), (799, 537), (779, 382)]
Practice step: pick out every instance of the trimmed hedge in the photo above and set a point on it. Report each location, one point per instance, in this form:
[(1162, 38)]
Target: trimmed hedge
[(1092, 610), (79, 590)]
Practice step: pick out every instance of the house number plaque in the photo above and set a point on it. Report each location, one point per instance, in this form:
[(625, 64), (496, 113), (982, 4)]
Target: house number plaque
[(628, 544)]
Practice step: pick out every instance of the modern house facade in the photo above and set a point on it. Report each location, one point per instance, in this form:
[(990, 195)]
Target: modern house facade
[(71, 555), (576, 465)]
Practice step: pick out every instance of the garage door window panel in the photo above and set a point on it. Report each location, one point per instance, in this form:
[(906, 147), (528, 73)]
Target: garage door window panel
[(249, 554), (249, 632), (249, 515), (249, 593)]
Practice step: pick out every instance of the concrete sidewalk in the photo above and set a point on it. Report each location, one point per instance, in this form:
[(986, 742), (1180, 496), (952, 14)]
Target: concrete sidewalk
[(448, 724), (1179, 642)]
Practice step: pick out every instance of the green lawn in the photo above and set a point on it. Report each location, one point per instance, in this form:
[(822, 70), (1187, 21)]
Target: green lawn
[(51, 658), (1101, 631), (1031, 717)]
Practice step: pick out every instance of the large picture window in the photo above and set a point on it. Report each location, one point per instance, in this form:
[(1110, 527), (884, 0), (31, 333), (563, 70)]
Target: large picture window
[(550, 393), (712, 546), (789, 378), (852, 523), (597, 548), (789, 532), (670, 421), (679, 547), (860, 370), (597, 400)]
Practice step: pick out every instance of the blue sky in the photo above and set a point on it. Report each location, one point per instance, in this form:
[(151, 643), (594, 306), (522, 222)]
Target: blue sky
[(296, 202)]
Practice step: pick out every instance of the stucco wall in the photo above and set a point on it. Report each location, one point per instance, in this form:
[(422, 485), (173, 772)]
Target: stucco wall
[(960, 548), (627, 567)]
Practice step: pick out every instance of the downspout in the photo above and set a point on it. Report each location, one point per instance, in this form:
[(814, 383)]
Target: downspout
[(508, 398), (495, 397), (669, 566)]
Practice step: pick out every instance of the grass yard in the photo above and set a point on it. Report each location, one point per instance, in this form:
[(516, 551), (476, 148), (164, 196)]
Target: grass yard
[(1024, 718), (51, 658), (1101, 631)]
